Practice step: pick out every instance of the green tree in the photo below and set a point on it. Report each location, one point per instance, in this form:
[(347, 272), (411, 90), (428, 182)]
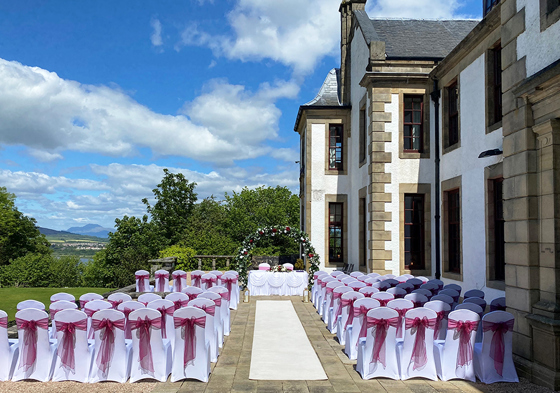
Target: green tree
[(66, 271), (175, 198), (31, 270), (185, 257), (18, 234)]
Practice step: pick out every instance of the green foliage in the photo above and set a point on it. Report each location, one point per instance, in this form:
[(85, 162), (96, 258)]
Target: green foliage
[(299, 264), (185, 257), (175, 200), (98, 273), (18, 234), (31, 270), (67, 271)]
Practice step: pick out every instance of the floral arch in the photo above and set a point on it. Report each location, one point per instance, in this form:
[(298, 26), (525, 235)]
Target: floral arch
[(242, 258)]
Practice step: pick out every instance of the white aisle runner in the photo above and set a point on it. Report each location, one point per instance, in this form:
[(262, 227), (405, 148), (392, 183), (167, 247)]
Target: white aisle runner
[(281, 350)]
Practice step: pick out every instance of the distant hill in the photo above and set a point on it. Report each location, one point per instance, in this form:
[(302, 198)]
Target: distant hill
[(48, 232), (55, 236), (91, 230)]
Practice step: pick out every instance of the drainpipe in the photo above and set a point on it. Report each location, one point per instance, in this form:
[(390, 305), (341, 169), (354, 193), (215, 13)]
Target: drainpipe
[(435, 98)]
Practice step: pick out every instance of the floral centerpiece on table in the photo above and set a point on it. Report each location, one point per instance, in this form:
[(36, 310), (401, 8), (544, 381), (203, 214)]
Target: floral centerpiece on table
[(279, 269)]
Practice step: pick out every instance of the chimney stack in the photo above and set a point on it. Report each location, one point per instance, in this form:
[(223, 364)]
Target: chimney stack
[(347, 7)]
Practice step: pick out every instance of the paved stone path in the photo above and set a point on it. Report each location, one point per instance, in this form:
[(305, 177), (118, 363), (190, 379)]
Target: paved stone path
[(231, 372)]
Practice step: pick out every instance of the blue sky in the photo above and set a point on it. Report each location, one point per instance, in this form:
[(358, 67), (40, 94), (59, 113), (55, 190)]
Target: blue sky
[(97, 97)]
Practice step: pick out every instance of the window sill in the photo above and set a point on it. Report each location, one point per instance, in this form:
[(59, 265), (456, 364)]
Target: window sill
[(453, 276), (425, 272), (406, 155), (335, 172), (494, 127), (362, 163), (449, 149), (495, 284)]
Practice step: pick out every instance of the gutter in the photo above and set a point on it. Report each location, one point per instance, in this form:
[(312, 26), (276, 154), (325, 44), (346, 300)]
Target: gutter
[(435, 95)]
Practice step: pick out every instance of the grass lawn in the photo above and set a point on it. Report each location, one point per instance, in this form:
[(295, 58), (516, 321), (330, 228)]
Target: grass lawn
[(10, 297)]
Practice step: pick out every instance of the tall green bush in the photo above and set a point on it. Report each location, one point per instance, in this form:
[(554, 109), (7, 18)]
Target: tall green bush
[(31, 270), (185, 257)]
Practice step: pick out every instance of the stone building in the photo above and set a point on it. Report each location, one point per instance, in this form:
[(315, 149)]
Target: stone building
[(434, 150)]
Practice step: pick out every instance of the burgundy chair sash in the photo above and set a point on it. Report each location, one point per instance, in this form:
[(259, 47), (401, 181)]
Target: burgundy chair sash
[(66, 350), (418, 304), (419, 326), (188, 334), (160, 278), (126, 311), (209, 282), (497, 345), (441, 315), (209, 309), (107, 338), (218, 302), (180, 304), (28, 349), (178, 280), (323, 284), (229, 281), (463, 330), (350, 304), (402, 312), (195, 278), (4, 322), (379, 332), (89, 312), (141, 278), (383, 302), (192, 295), (164, 312), (338, 311), (52, 312), (115, 303), (83, 303), (362, 310), (144, 329)]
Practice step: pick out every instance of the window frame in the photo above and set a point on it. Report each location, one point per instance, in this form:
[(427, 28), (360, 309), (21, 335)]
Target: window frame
[(363, 133), (494, 88), (343, 200), (488, 5), (549, 13), (363, 228), (336, 224), (453, 114), (339, 163), (421, 228), (451, 187), (448, 116), (425, 144), (492, 174)]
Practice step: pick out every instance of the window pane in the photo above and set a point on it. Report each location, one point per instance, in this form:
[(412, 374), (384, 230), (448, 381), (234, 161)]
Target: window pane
[(417, 117), (407, 102), (408, 117), (417, 103)]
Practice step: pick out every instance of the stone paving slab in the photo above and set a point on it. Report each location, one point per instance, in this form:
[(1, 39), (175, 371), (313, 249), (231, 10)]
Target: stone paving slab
[(231, 372)]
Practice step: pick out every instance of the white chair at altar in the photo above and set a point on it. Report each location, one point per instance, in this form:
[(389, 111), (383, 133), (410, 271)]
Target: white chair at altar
[(454, 357), (30, 304), (179, 280), (191, 357), (328, 301), (493, 361), (192, 292), (36, 353), (211, 333), (442, 309), (142, 281), (208, 280), (231, 283), (146, 298), (91, 308), (88, 297), (179, 299), (402, 306), (54, 308), (377, 356), (74, 354), (288, 266), (151, 357), (218, 319), (117, 298), (161, 278), (196, 277), (218, 275), (416, 352), (264, 266), (111, 357), (346, 314), (224, 307), (126, 308), (62, 296), (166, 309), (7, 349), (336, 309)]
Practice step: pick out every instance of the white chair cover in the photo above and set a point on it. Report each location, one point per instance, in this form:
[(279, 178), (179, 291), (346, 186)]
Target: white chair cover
[(383, 298), (218, 275), (7, 349), (230, 281), (402, 279), (391, 276), (474, 293), (416, 353), (417, 298), (368, 291), (224, 308), (54, 308), (322, 292), (348, 280), (218, 320), (443, 298), (386, 364), (424, 279), (33, 364), (328, 301), (111, 358), (126, 308), (461, 331), (117, 298), (161, 278), (288, 266), (316, 288), (196, 276), (146, 298), (192, 292), (346, 313), (208, 280), (62, 296), (183, 366), (374, 275), (402, 306), (155, 361), (398, 293), (362, 278), (166, 309), (91, 308), (73, 359), (442, 310), (490, 363), (179, 280), (179, 299), (356, 274), (142, 281), (336, 309), (210, 331), (334, 273), (361, 308), (357, 285), (88, 297), (264, 266), (453, 287), (341, 277), (477, 309), (30, 304)]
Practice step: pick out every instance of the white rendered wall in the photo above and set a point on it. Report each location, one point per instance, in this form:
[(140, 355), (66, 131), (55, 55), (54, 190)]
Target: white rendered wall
[(464, 161), (540, 48)]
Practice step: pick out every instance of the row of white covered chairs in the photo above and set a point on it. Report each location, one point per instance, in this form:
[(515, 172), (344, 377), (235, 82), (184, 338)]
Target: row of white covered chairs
[(89, 359), (199, 279)]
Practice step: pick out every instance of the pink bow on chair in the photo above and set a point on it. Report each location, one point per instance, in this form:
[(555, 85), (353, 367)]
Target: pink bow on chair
[(28, 349), (463, 330), (142, 281), (66, 350), (164, 312), (115, 303), (419, 326), (195, 278), (4, 322), (350, 304), (218, 302), (188, 334), (383, 302), (497, 345), (210, 281), (192, 296), (402, 312), (83, 303), (107, 338), (178, 280), (53, 312), (208, 309), (144, 331), (380, 325), (180, 304), (338, 311), (126, 311), (229, 281), (362, 310), (440, 316), (160, 278)]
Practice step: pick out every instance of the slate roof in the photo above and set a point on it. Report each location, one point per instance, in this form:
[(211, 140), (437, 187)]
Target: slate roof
[(329, 93), (415, 38)]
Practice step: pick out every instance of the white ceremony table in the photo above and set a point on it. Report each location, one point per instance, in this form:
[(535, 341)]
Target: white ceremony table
[(263, 283)]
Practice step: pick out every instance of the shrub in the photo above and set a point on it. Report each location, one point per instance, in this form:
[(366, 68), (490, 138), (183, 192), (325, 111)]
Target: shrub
[(31, 270), (299, 264), (185, 257), (66, 271)]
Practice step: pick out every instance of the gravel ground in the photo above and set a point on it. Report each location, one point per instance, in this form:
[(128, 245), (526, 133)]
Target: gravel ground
[(73, 387), (524, 386)]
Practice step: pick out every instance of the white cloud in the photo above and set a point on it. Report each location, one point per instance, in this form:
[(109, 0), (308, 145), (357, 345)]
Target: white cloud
[(156, 33), (415, 9), (293, 32), (286, 154), (44, 156), (40, 110)]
